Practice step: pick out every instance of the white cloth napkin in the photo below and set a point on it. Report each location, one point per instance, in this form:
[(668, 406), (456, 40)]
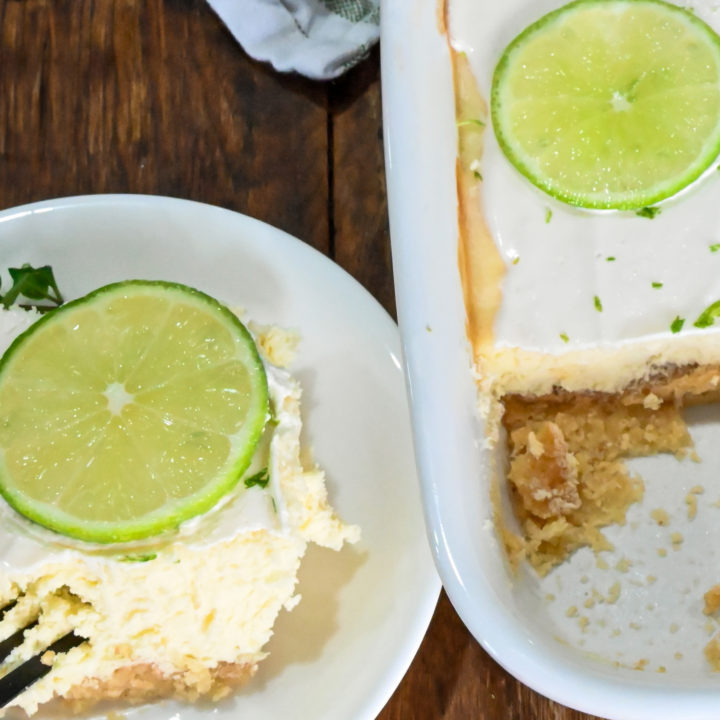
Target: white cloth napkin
[(317, 38)]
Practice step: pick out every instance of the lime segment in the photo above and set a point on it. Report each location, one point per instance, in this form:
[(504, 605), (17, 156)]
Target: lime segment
[(128, 411), (610, 103)]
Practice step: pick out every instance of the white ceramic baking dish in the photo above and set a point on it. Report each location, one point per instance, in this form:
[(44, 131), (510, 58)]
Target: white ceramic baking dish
[(526, 624)]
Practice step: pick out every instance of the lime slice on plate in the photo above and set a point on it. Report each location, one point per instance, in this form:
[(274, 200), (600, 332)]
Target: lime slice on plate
[(610, 103), (128, 411)]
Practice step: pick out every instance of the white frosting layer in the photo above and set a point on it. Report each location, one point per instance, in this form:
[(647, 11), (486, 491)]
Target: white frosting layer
[(24, 545), (549, 291)]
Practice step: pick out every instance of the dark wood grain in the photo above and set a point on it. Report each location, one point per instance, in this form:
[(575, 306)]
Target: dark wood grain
[(146, 96), (453, 678), (154, 97), (359, 220)]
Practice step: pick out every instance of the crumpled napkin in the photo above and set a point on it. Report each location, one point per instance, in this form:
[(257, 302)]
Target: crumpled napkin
[(317, 38)]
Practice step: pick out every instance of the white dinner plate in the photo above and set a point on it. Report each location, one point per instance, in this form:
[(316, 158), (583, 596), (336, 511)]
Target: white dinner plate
[(364, 611)]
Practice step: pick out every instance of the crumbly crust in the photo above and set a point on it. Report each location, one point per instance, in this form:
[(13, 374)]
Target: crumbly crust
[(712, 600), (566, 449), (140, 683)]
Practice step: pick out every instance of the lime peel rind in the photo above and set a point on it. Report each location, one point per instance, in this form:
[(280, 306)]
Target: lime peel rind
[(170, 515)]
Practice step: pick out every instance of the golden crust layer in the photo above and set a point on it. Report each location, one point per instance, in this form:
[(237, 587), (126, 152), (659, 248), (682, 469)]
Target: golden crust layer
[(144, 682), (567, 473)]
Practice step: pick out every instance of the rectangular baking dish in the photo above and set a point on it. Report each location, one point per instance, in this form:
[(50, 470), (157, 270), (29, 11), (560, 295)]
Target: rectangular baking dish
[(525, 624)]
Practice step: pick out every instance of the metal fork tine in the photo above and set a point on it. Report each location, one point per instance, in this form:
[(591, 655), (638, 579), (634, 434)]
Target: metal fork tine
[(33, 669), (16, 639)]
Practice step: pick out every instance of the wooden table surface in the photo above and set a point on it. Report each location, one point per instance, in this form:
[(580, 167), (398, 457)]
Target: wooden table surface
[(153, 96)]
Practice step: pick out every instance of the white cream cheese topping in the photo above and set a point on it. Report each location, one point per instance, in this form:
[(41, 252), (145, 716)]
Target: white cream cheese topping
[(559, 258)]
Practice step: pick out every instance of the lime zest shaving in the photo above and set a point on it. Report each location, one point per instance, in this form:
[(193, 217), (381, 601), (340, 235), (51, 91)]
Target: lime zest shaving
[(476, 122), (139, 558), (708, 315), (677, 324)]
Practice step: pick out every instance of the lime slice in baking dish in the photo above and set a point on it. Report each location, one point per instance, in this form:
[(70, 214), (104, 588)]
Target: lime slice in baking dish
[(610, 103), (127, 411)]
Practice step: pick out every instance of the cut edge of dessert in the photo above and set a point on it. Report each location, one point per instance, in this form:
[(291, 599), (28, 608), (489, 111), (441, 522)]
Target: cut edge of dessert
[(182, 616), (567, 421)]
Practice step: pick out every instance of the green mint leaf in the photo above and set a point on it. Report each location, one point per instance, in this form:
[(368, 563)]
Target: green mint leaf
[(708, 315), (471, 121), (260, 479), (139, 558), (610, 258), (648, 212), (598, 304), (715, 247), (564, 337), (34, 284), (657, 284), (677, 324)]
